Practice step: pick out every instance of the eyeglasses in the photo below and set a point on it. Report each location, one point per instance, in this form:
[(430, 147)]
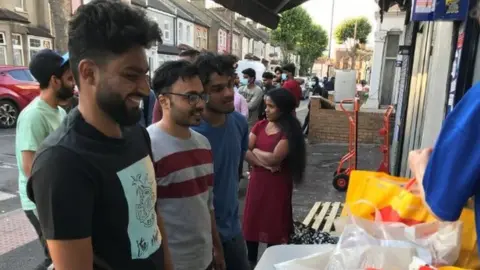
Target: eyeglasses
[(193, 98)]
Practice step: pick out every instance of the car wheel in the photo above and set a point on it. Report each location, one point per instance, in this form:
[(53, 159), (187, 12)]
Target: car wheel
[(8, 114)]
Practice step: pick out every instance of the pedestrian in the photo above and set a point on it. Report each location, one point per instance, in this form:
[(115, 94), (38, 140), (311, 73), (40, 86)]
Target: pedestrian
[(184, 169), (277, 153), (278, 77), (241, 104), (267, 86), (36, 121), (227, 132), (289, 82), (252, 93), (93, 179)]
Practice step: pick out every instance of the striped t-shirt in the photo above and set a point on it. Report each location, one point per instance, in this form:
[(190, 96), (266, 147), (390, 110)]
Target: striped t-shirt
[(184, 173)]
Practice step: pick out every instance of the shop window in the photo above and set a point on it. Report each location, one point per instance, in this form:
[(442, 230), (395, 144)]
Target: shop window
[(204, 39), (180, 32), (3, 49), (20, 5), (37, 44), (166, 30), (388, 70), (198, 39), (189, 32), (17, 50)]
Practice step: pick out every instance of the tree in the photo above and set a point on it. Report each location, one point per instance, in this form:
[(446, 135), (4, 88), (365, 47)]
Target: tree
[(60, 14), (313, 44), (289, 32), (353, 32)]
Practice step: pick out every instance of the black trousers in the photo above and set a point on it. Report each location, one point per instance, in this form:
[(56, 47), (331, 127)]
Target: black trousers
[(32, 217), (306, 123), (252, 250)]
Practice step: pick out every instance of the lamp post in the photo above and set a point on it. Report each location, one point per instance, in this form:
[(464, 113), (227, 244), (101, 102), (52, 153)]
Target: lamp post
[(331, 36)]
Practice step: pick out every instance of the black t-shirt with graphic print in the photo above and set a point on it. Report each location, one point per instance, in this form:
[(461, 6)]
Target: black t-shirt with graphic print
[(86, 184)]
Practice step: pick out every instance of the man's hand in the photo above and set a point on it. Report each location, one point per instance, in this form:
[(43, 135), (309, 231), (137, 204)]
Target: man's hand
[(219, 260), (418, 160)]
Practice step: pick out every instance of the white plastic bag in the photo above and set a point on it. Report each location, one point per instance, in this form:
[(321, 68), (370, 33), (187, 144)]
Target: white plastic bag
[(357, 258), (436, 243)]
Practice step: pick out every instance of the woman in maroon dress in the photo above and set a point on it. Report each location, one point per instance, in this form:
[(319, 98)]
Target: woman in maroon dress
[(278, 157)]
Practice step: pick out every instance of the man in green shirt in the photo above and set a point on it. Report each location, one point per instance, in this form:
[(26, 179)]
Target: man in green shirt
[(42, 116)]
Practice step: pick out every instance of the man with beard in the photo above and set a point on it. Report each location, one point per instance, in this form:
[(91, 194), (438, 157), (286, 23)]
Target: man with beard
[(41, 117), (93, 179), (227, 132), (184, 169)]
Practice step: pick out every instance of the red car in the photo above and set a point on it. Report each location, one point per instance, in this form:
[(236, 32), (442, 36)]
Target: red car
[(17, 89)]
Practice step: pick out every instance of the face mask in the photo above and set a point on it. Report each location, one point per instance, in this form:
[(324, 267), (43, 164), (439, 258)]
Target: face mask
[(243, 81), (284, 76)]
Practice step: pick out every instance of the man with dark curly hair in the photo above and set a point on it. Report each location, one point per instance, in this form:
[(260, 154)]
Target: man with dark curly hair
[(93, 179), (227, 132)]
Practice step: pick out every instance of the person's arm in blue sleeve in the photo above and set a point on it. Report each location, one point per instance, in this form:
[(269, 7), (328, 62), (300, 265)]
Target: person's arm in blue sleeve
[(451, 175)]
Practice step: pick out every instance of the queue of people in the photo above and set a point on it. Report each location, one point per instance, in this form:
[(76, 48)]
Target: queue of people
[(144, 174)]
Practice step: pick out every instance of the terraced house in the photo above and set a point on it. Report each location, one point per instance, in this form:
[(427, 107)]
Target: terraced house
[(25, 29)]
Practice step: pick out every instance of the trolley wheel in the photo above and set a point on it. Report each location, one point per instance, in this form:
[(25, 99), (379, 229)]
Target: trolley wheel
[(342, 170), (340, 182)]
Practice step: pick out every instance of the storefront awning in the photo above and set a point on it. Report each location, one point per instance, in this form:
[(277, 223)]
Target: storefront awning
[(264, 12)]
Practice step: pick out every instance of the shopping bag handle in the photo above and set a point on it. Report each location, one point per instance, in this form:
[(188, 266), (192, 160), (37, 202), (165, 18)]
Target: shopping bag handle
[(410, 184)]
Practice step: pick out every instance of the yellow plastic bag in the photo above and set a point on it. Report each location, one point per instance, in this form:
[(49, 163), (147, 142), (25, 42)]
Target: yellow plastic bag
[(387, 193), (377, 187)]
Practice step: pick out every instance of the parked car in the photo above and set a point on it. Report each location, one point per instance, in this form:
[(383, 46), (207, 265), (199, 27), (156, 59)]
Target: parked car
[(17, 89)]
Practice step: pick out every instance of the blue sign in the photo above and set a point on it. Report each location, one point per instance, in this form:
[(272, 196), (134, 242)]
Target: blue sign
[(439, 10), (451, 10)]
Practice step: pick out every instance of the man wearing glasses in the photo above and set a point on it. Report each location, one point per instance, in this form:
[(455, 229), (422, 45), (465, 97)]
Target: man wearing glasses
[(184, 169)]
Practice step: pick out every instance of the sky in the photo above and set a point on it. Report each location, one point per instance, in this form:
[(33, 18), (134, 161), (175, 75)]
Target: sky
[(321, 12)]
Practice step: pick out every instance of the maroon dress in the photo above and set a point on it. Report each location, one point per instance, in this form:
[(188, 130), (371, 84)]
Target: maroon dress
[(268, 205)]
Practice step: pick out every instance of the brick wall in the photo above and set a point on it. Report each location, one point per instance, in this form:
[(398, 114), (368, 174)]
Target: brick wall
[(332, 126)]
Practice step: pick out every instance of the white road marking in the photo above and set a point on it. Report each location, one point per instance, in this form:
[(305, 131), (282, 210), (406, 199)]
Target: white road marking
[(5, 165), (5, 196)]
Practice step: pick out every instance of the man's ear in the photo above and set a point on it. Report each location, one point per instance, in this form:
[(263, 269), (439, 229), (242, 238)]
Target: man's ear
[(54, 82), (164, 101), (88, 71)]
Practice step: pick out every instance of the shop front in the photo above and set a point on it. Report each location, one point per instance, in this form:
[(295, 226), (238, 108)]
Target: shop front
[(435, 72)]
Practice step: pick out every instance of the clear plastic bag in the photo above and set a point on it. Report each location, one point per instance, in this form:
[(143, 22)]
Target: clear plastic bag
[(437, 243)]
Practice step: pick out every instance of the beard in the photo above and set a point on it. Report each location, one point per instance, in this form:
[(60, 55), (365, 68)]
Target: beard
[(186, 119), (114, 105), (64, 92)]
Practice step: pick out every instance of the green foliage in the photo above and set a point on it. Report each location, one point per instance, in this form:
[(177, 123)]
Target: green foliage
[(313, 44), (296, 33), (346, 30), (289, 30)]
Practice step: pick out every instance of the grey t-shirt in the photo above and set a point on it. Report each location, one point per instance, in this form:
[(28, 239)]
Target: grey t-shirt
[(184, 174), (254, 98)]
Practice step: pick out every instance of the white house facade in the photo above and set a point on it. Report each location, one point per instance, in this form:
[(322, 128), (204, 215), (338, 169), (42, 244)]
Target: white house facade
[(389, 36)]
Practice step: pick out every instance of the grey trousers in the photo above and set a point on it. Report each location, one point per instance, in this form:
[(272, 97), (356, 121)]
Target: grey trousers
[(235, 252)]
